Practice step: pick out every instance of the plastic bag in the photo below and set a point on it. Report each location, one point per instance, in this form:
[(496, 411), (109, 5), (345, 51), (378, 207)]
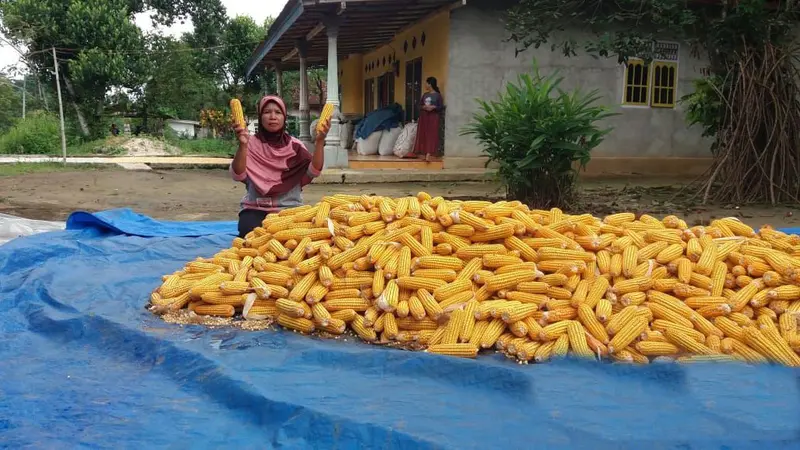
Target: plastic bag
[(405, 142), (346, 134), (388, 139), (12, 227), (369, 146), (313, 130)]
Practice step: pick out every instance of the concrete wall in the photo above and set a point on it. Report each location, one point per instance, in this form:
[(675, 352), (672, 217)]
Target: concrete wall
[(481, 64)]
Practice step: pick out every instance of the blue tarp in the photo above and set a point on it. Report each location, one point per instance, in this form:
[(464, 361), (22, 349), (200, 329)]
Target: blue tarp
[(84, 365), (378, 120)]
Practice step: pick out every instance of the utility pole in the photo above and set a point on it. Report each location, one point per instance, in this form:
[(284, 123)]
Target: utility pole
[(24, 86), (60, 109), (42, 97)]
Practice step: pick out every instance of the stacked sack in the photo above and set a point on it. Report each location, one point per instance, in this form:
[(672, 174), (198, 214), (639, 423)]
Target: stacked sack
[(455, 278)]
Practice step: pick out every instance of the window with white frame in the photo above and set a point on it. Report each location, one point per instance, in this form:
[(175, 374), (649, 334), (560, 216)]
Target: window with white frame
[(653, 84)]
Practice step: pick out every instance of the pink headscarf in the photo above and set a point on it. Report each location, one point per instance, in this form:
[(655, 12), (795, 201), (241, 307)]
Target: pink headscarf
[(276, 162)]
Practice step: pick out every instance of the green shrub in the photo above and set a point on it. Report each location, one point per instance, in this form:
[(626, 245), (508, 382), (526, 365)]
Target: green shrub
[(540, 135), (705, 105), (293, 126), (38, 134)]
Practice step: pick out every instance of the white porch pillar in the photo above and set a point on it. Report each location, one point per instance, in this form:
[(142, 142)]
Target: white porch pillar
[(279, 80), (305, 111), (335, 155)]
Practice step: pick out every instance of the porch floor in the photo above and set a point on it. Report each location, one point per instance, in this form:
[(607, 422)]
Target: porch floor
[(377, 162)]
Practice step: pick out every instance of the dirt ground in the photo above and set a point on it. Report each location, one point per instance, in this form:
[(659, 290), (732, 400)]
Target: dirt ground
[(211, 195)]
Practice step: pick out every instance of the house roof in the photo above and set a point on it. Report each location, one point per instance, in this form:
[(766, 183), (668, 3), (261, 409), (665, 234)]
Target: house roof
[(365, 25)]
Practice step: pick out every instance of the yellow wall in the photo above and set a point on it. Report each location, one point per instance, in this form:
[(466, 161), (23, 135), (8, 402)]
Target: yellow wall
[(352, 82), (434, 56)]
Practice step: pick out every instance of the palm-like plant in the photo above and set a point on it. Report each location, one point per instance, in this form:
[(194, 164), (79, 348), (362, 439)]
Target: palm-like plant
[(540, 135)]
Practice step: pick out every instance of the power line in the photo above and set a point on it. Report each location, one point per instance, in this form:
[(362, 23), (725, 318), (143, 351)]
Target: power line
[(72, 51)]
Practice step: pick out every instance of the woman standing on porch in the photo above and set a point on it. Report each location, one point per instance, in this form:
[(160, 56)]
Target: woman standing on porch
[(431, 104)]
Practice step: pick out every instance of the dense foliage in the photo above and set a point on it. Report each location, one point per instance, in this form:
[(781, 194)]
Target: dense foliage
[(38, 133), (110, 67), (113, 72)]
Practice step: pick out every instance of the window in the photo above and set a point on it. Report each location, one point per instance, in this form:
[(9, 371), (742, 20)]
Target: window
[(413, 88), (386, 89), (664, 76), (369, 95), (637, 82), (653, 84)]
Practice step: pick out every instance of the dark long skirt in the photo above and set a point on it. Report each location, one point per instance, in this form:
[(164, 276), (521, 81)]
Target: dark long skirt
[(249, 220), (427, 142)]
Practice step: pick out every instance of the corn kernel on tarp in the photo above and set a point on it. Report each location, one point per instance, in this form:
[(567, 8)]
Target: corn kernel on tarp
[(83, 364)]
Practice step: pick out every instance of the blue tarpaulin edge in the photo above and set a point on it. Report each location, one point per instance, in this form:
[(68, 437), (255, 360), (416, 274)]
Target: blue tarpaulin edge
[(129, 222), (83, 364)]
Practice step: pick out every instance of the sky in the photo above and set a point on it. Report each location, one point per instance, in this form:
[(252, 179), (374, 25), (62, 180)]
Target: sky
[(257, 9)]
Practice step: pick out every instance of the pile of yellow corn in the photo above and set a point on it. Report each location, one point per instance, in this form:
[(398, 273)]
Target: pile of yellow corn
[(458, 277)]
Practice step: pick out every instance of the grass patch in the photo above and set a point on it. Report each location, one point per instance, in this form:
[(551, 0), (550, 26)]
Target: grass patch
[(100, 147), (7, 170), (222, 148)]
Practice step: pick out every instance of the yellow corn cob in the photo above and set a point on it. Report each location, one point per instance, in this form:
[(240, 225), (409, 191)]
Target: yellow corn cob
[(775, 349), (438, 262), (300, 324), (603, 310), (432, 307), (631, 331), (389, 298), (446, 275), (492, 333), (509, 280), (443, 249), (497, 261), (339, 304), (415, 307), (447, 291), (215, 310), (619, 320), (293, 309), (578, 341), (345, 315), (218, 298), (300, 290), (685, 341), (652, 348), (465, 350), (362, 330), (320, 315), (415, 282)]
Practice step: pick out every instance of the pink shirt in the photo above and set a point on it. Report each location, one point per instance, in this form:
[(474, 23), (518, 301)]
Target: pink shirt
[(272, 176)]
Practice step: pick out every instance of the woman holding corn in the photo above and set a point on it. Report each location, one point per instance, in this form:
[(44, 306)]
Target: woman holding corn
[(273, 165)]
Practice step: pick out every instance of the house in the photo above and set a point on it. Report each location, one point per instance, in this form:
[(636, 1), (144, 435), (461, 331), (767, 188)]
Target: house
[(381, 51), (185, 128)]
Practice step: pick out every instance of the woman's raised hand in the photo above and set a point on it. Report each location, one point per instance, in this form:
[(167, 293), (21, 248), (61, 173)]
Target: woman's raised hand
[(322, 131), (242, 134)]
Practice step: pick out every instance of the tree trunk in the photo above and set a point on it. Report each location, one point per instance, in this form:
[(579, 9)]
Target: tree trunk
[(78, 113), (42, 97)]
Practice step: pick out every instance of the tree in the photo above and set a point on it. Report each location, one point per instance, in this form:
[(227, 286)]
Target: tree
[(10, 104), (241, 36), (750, 102), (173, 87), (98, 44)]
